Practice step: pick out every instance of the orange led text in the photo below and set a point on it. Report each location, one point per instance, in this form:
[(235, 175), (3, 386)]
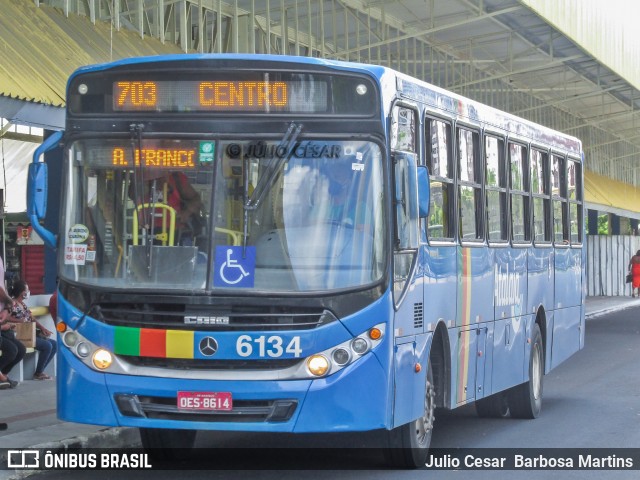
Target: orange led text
[(136, 94), (154, 157), (243, 94)]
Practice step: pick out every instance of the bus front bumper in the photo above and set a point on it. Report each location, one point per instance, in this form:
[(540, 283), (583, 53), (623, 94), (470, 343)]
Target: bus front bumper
[(353, 399)]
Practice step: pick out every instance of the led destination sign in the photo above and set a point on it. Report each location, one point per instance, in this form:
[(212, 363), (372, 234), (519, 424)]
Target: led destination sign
[(191, 90), (238, 96), (155, 154), (154, 157)]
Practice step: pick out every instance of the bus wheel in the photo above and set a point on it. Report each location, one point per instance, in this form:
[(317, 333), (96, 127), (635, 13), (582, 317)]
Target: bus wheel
[(409, 443), (525, 401), (167, 444), (493, 406)]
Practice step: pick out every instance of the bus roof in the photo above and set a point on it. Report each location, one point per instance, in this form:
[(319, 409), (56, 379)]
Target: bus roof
[(409, 87)]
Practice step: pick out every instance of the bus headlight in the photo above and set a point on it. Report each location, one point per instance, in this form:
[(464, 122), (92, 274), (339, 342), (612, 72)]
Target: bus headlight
[(337, 357), (318, 365), (70, 339), (83, 349), (341, 356), (102, 359), (360, 345)]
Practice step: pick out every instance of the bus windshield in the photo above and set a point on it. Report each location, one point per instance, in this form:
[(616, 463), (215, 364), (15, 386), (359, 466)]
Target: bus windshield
[(205, 215)]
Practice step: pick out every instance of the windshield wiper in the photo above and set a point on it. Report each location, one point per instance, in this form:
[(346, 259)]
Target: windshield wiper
[(138, 182), (266, 181)]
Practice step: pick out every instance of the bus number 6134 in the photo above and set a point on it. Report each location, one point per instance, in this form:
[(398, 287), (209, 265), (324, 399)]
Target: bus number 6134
[(272, 346)]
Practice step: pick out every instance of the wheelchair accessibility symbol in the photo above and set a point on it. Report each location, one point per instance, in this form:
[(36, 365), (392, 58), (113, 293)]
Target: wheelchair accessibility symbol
[(234, 267)]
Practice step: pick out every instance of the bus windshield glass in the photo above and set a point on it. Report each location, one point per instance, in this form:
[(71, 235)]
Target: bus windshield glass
[(211, 215)]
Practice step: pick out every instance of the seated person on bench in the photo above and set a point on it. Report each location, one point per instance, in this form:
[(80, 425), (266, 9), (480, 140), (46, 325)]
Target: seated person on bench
[(20, 313)]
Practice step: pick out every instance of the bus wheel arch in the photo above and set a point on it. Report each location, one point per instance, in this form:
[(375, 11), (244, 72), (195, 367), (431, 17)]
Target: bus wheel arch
[(409, 443), (440, 359)]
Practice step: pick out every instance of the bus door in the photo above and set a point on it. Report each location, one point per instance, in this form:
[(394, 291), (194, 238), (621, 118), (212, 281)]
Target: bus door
[(567, 211), (540, 268), (474, 270), (510, 317)]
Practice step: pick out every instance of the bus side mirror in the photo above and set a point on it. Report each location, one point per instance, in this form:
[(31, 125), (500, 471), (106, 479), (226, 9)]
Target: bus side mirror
[(37, 190), (406, 200), (424, 191)]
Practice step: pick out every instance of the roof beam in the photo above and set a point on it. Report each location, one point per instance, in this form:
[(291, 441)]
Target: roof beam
[(5, 128), (611, 142), (568, 99), (429, 31), (531, 68)]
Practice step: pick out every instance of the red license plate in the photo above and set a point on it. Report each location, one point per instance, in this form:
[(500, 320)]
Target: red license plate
[(205, 401)]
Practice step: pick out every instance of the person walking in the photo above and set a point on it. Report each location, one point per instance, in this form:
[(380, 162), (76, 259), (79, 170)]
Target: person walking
[(634, 269)]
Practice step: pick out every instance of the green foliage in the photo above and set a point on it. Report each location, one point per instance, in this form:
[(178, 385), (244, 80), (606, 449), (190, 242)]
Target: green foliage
[(603, 224)]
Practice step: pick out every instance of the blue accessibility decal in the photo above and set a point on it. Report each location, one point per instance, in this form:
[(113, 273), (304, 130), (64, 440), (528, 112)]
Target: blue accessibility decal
[(234, 267)]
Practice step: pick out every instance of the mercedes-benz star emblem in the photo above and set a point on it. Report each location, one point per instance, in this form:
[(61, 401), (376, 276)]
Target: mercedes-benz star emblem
[(208, 346)]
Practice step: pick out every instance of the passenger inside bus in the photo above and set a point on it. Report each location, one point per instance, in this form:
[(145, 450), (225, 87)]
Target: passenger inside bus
[(170, 188)]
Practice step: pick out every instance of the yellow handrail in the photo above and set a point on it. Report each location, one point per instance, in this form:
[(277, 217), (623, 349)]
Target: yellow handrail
[(234, 234), (163, 237)]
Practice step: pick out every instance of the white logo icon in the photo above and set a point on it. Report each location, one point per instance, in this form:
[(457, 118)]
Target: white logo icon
[(23, 459), (232, 264)]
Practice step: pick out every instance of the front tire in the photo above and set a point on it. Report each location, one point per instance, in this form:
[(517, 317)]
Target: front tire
[(409, 443), (525, 401)]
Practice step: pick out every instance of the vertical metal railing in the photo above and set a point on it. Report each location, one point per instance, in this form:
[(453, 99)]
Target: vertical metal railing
[(607, 263)]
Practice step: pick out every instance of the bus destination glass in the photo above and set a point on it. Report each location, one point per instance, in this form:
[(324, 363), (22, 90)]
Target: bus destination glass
[(220, 92), (240, 96)]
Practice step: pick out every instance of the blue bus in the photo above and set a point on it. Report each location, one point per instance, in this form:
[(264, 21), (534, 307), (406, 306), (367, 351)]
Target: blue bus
[(286, 244)]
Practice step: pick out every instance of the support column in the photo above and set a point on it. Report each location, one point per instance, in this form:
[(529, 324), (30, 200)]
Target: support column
[(614, 221), (593, 222)]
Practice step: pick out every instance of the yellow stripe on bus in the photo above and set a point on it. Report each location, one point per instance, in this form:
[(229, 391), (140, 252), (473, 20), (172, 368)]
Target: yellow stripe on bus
[(179, 344)]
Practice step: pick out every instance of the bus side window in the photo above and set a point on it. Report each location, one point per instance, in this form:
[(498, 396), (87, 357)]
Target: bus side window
[(496, 189), (559, 195), (441, 223), (519, 193), (471, 222), (574, 183), (541, 196)]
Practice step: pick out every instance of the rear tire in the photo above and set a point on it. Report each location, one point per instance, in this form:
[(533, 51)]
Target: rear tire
[(493, 406), (409, 443), (525, 401), (167, 444)]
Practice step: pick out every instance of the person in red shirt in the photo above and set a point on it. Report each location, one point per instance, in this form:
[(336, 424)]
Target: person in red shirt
[(634, 269)]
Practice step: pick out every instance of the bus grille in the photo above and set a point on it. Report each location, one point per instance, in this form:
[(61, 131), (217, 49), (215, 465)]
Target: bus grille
[(165, 408), (200, 364), (199, 317)]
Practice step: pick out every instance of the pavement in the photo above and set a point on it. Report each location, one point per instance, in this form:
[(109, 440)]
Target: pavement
[(30, 409)]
